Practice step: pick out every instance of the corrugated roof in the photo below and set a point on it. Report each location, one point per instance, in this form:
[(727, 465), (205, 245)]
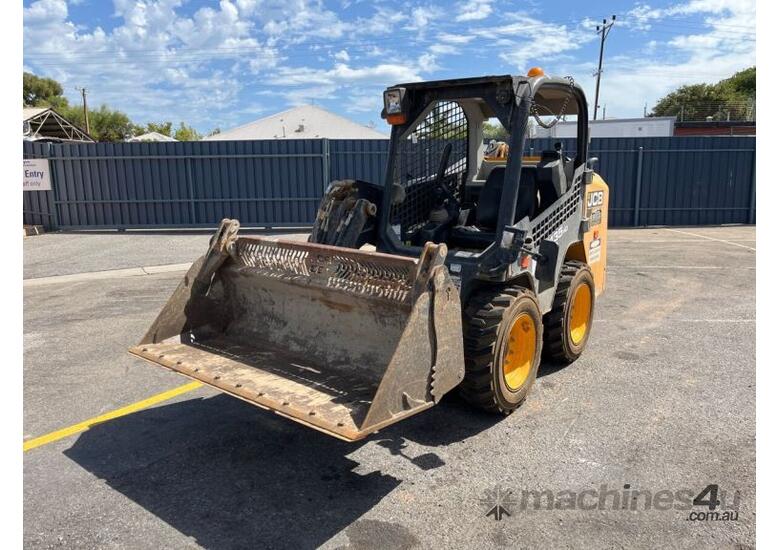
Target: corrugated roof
[(304, 122), (44, 123), (29, 112), (152, 136)]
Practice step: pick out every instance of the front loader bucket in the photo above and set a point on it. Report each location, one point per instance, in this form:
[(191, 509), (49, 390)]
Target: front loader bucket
[(341, 340)]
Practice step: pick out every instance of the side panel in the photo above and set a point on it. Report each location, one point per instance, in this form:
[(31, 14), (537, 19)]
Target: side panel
[(595, 239)]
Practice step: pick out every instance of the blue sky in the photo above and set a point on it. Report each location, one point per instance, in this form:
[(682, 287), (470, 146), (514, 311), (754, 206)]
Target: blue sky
[(224, 63)]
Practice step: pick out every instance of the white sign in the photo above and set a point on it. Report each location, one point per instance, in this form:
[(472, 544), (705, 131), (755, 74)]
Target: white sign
[(36, 175)]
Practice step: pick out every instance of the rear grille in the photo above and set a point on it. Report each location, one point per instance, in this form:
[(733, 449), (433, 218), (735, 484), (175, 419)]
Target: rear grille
[(546, 226)]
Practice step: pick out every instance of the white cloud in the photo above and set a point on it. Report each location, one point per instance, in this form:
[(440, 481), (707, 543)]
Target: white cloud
[(474, 10), (342, 55), (454, 38), (381, 74), (155, 64), (303, 96), (442, 49), (421, 19), (364, 103), (46, 10), (528, 41), (383, 21)]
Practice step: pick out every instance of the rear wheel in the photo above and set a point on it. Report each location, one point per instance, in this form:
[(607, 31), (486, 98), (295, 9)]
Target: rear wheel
[(567, 325), (502, 341)]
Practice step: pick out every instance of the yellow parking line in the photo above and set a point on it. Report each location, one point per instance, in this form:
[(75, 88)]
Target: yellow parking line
[(87, 424)]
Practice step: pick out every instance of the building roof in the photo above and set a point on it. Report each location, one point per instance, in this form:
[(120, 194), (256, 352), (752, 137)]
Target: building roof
[(612, 127), (608, 121), (304, 122), (29, 112), (44, 123), (152, 136)]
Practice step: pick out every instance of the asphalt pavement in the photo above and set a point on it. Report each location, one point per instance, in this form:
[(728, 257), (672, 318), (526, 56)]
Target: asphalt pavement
[(662, 400)]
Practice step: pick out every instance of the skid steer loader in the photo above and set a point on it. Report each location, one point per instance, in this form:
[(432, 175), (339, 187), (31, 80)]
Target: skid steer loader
[(456, 272)]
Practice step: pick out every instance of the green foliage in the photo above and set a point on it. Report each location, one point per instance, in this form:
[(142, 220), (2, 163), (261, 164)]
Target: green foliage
[(104, 124), (42, 92), (742, 83), (186, 133), (494, 131), (108, 125), (163, 128), (732, 99)]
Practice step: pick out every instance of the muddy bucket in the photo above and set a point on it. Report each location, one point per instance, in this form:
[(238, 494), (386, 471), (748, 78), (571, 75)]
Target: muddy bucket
[(342, 340)]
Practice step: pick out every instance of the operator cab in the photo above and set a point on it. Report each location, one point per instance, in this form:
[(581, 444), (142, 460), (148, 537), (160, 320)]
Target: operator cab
[(448, 181)]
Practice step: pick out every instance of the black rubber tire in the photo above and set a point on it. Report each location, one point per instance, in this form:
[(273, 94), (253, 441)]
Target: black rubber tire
[(487, 320), (558, 346)]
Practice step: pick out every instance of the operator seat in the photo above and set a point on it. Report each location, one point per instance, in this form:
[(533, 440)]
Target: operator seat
[(551, 172), (483, 232)]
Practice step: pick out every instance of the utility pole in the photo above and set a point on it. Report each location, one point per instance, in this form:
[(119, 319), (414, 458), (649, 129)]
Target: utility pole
[(84, 105), (604, 113), (604, 29), (645, 111)]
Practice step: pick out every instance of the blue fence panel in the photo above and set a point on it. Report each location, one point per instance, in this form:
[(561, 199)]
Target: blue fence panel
[(271, 183), (682, 181), (362, 159)]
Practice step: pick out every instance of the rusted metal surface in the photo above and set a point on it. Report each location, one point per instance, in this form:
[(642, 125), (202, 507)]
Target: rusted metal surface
[(344, 341)]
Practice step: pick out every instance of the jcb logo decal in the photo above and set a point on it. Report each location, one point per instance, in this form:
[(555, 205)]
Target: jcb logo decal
[(595, 199)]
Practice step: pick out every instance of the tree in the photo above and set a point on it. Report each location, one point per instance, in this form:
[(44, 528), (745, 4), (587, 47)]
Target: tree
[(163, 128), (104, 124), (186, 133), (494, 131), (42, 92), (729, 99), (742, 83), (109, 125)]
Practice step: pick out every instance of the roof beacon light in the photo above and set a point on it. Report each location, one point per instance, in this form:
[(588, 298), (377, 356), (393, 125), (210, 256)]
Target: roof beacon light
[(535, 71), (394, 106)]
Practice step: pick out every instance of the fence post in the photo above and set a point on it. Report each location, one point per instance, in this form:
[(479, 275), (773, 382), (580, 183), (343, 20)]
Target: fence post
[(55, 210), (190, 191), (325, 163), (752, 214), (638, 185)]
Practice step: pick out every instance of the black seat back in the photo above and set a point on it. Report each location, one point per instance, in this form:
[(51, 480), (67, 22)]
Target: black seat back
[(490, 197), (527, 197), (552, 178)]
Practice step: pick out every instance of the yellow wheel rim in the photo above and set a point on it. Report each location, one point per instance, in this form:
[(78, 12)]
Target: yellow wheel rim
[(520, 351), (579, 314)]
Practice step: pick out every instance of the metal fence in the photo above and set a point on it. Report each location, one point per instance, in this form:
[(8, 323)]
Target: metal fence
[(278, 183)]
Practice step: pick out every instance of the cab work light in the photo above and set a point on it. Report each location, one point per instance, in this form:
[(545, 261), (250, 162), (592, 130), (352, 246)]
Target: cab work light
[(394, 110)]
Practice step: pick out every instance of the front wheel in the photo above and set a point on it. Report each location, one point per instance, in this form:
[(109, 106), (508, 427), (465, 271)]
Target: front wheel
[(502, 341), (567, 325)]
